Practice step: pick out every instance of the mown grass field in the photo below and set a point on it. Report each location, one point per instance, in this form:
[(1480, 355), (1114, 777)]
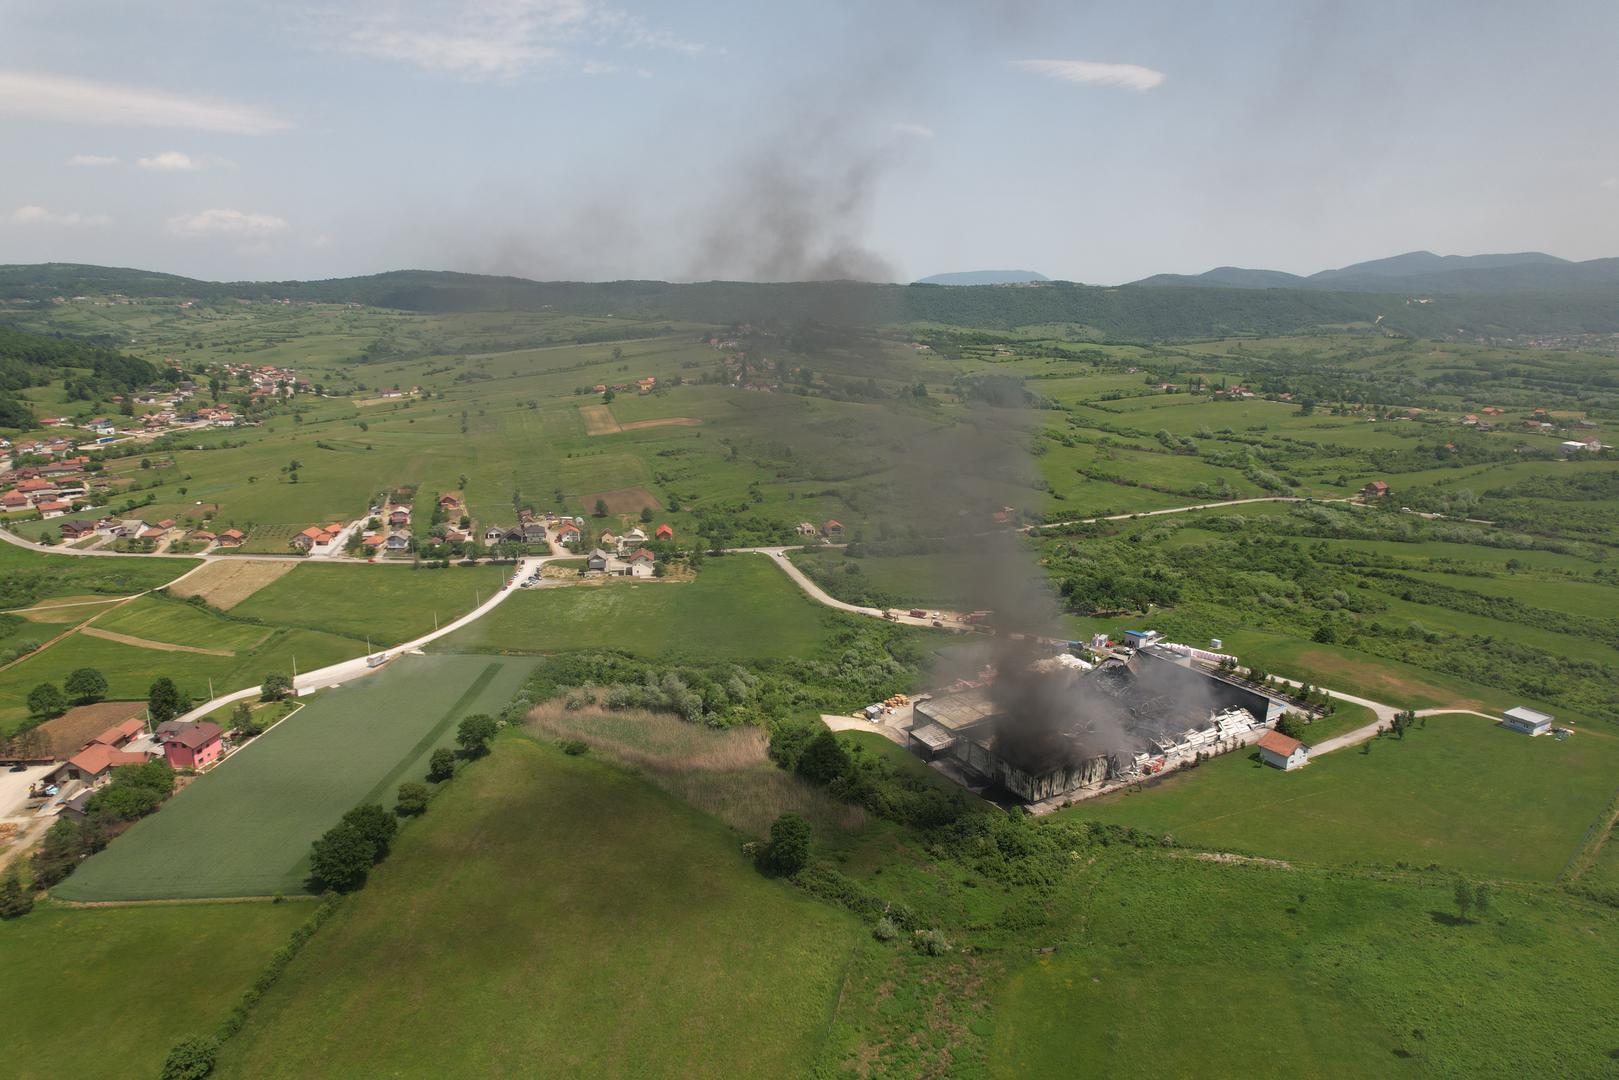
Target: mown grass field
[(66, 967), (388, 604), (738, 606), (555, 916), (1460, 792), (245, 828)]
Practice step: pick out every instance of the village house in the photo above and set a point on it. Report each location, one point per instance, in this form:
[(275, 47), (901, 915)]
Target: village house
[(832, 530), (568, 533), (398, 516), (495, 534), (192, 745), (52, 508), (397, 542), (643, 564), (806, 528), (664, 532), (77, 529), (371, 543), (1377, 489), (232, 538)]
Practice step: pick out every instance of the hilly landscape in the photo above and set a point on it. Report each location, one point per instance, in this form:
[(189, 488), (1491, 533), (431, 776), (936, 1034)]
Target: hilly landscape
[(1421, 272)]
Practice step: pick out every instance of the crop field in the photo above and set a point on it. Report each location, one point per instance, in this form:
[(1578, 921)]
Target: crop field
[(1459, 792), (598, 420), (388, 604), (204, 954), (351, 744), (739, 606), (633, 941), (225, 584)]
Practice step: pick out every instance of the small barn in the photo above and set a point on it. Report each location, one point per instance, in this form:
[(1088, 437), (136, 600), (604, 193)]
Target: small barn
[(1283, 751), (1528, 721)]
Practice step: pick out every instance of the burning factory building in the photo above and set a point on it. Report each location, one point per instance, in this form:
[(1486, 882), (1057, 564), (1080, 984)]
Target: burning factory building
[(1047, 729)]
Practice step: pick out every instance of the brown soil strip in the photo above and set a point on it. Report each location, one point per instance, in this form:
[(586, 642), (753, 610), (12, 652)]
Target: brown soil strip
[(598, 420), (144, 643), (668, 421)]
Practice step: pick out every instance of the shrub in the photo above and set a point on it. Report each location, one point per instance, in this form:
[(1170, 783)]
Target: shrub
[(824, 759), (276, 686), (932, 942), (15, 900), (885, 930), (191, 1059), (788, 850), (412, 798), (573, 747)]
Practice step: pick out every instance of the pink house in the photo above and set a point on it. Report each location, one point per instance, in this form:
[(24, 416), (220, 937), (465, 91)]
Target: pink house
[(190, 745)]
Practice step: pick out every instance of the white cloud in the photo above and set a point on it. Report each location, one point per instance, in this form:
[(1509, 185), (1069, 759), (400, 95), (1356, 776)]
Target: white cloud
[(84, 101), (597, 67), (92, 161), (170, 161), (921, 131), (1611, 184), (498, 39), (226, 223), (39, 215), (1131, 76)]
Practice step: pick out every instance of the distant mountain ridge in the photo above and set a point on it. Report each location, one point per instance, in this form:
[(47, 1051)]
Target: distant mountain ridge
[(983, 277), (1419, 272), (1212, 308)]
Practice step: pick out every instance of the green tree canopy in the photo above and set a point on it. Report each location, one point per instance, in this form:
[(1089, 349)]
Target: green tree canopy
[(165, 700), (85, 685), (475, 733), (46, 700), (788, 851)]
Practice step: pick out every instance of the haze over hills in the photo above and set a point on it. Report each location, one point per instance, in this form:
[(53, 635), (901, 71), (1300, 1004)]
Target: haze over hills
[(1419, 272), (984, 277), (1215, 305)]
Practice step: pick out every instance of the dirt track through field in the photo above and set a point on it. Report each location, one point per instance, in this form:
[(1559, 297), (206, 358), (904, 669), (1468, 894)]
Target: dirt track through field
[(667, 421), (143, 643), (598, 420)]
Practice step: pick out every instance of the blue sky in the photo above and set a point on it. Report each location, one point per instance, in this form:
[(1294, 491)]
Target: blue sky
[(586, 139)]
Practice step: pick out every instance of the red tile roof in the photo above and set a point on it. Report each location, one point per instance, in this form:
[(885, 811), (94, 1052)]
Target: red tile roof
[(97, 758), (1277, 743), (121, 732)]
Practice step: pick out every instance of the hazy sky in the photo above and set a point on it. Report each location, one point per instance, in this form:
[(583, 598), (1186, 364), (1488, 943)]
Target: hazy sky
[(586, 139)]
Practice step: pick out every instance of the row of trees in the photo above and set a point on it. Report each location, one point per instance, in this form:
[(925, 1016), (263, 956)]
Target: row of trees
[(342, 858), (83, 686)]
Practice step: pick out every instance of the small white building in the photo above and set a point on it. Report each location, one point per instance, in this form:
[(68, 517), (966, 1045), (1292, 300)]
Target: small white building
[(1528, 721), (1282, 751)]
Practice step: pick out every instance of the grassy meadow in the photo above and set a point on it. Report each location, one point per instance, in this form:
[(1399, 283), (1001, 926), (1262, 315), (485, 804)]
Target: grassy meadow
[(553, 916), (66, 965), (739, 606), (1457, 791)]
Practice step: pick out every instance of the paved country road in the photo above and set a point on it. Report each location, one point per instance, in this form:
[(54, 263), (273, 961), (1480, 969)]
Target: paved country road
[(349, 670)]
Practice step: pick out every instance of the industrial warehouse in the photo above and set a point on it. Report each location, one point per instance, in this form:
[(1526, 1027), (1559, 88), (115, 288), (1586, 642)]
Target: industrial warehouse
[(1047, 729)]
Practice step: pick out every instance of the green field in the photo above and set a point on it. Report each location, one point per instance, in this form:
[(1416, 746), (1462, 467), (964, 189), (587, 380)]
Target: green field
[(1460, 792), (352, 744), (388, 604), (32, 576), (240, 654), (739, 606), (68, 970), (553, 916), (1171, 968)]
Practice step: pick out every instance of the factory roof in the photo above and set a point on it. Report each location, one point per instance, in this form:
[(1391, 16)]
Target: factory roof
[(958, 711), (932, 736)]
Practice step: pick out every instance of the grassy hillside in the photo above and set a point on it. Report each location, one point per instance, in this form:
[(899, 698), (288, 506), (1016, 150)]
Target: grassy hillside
[(69, 973), (553, 916)]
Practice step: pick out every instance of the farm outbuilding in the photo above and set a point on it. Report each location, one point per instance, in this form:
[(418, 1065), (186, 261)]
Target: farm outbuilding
[(1526, 720), (1283, 751)]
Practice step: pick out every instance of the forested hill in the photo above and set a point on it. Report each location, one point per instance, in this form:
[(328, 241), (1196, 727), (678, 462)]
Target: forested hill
[(1138, 313), (88, 370)]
